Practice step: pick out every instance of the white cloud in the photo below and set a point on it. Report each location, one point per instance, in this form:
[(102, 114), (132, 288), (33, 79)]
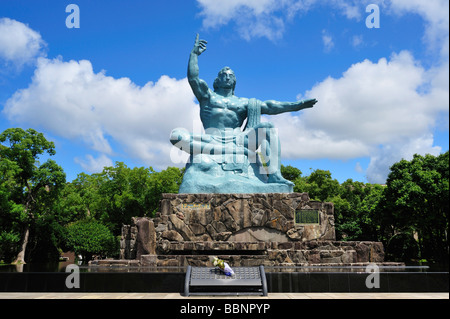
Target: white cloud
[(94, 165), (383, 158), (267, 18), (221, 13), (351, 9), (357, 41), (374, 110), (358, 168), (327, 40), (435, 14), (71, 101), (252, 18), (19, 44), (385, 110)]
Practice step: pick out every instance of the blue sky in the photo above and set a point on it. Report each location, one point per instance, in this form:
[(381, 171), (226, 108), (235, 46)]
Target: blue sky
[(113, 89)]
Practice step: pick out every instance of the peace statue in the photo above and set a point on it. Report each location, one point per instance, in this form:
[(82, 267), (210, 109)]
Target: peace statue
[(237, 153)]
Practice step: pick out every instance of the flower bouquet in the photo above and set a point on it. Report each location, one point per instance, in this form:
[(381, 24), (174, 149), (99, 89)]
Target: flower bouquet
[(223, 266)]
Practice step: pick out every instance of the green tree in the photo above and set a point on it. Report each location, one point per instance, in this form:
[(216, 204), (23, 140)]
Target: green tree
[(73, 203), (89, 237), (117, 194), (369, 209), (28, 188), (321, 186), (166, 181), (11, 214), (355, 209), (127, 192), (290, 173), (416, 204)]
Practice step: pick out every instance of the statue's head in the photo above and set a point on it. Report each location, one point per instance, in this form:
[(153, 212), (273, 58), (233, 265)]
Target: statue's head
[(225, 79)]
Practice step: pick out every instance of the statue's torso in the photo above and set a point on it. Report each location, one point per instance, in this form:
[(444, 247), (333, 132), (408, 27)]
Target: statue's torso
[(223, 112)]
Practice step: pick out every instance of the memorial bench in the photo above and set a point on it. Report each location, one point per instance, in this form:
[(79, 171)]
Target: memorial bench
[(209, 281)]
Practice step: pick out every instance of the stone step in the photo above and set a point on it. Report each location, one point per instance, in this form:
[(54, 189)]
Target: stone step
[(271, 257), (114, 262), (281, 265), (298, 252), (260, 245), (200, 260)]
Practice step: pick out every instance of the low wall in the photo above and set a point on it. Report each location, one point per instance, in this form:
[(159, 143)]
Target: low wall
[(173, 282), (244, 229)]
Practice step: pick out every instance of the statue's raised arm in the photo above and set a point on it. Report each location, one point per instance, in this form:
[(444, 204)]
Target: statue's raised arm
[(199, 87)]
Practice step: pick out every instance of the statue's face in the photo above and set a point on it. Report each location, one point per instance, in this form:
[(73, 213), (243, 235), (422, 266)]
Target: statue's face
[(227, 79)]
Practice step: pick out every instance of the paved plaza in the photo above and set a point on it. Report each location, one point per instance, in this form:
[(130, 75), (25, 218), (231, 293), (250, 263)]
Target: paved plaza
[(74, 295)]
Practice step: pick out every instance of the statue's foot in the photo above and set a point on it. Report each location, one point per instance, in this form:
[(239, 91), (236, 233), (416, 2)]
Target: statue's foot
[(278, 178)]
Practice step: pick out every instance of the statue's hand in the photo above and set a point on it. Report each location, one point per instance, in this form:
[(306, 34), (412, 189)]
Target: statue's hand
[(199, 46), (309, 103)]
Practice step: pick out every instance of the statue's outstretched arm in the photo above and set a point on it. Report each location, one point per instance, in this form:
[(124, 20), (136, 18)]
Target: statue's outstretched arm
[(275, 107), (199, 87)]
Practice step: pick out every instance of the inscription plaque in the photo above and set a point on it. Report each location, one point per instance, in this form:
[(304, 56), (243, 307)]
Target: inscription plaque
[(196, 206), (307, 216)]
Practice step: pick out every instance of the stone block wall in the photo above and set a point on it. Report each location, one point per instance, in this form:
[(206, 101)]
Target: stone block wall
[(241, 217), (138, 239), (128, 242)]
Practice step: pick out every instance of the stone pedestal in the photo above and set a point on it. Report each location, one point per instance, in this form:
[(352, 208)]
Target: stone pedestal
[(245, 229), (242, 218)]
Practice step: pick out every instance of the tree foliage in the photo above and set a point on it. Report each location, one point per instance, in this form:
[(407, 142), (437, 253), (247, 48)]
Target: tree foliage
[(28, 189), (290, 173), (416, 204), (118, 193), (89, 237)]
